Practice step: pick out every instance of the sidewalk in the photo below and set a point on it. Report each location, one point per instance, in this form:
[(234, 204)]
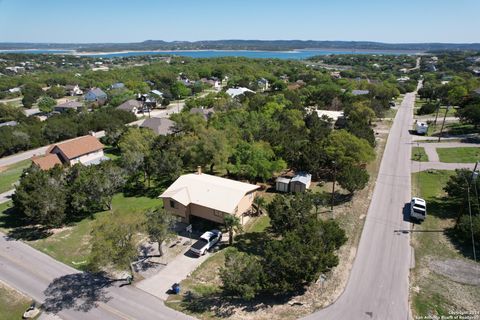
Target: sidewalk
[(4, 197)]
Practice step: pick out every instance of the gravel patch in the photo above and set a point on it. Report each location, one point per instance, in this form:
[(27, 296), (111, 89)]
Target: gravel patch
[(460, 271)]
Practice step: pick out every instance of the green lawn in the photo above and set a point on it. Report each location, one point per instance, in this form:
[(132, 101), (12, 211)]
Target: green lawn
[(433, 294), (459, 155), (12, 303), (418, 154), (71, 244), (11, 175)]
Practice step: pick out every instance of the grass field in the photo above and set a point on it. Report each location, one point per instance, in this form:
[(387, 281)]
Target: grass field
[(433, 294), (12, 303), (70, 244), (459, 155), (11, 174), (418, 154)]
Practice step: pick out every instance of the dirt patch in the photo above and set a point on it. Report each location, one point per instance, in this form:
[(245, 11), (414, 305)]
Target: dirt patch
[(460, 271)]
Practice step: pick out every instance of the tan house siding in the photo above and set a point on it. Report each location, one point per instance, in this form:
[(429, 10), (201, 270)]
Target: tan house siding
[(207, 213), (246, 203), (179, 209)]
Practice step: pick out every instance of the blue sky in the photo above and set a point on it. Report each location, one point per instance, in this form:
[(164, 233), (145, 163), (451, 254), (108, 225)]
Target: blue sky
[(138, 20)]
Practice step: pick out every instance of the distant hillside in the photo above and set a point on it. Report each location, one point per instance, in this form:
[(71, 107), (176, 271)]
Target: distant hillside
[(270, 45)]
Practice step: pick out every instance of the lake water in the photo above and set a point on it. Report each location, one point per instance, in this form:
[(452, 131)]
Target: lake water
[(295, 55)]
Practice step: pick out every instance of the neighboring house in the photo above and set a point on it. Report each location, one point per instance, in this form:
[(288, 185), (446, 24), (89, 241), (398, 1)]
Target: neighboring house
[(96, 95), (9, 124), (263, 84), (300, 182), (73, 90), (403, 79), (69, 105), (334, 115), (132, 106), (86, 150), (234, 92), (360, 92), (161, 126), (208, 197), (206, 113), (118, 85), (14, 90)]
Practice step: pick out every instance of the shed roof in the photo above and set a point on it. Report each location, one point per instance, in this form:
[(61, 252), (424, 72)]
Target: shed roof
[(304, 178), (208, 191)]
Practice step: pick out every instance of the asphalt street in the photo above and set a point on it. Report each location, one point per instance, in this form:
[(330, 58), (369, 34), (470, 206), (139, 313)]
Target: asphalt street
[(72, 294), (378, 283)]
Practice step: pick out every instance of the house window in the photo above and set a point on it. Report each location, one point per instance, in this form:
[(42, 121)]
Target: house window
[(172, 204)]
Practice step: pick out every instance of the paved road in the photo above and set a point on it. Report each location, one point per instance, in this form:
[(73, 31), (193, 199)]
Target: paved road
[(378, 283), (71, 294), (6, 161)]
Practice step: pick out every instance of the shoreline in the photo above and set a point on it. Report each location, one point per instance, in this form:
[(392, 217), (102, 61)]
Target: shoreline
[(159, 51)]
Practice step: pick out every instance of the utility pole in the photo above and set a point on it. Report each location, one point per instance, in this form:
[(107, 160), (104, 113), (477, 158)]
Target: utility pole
[(333, 185), (473, 179), (443, 124), (436, 115)]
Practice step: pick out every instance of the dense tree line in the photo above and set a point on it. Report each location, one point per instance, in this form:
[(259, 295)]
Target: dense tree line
[(31, 132), (299, 248), (61, 195)]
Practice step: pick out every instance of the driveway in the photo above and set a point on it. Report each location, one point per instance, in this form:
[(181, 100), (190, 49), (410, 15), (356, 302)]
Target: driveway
[(177, 270), (431, 148)]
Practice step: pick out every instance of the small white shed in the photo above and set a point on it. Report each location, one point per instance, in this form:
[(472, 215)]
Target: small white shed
[(282, 183), (300, 182)]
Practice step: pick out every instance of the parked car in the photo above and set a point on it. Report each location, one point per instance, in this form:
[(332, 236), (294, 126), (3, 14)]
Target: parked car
[(418, 208), (206, 241)]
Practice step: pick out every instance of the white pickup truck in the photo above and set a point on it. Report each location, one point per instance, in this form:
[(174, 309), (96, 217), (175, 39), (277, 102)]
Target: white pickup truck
[(206, 241)]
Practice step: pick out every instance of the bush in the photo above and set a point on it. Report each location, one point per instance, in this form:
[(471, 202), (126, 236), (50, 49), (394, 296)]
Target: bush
[(427, 108)]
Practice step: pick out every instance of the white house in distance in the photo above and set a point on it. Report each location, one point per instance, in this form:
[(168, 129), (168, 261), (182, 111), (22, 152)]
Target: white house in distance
[(234, 92), (334, 115), (208, 197), (86, 150)]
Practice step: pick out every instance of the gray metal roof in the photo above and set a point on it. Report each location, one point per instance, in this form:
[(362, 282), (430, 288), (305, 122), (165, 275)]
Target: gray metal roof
[(283, 180), (304, 178)]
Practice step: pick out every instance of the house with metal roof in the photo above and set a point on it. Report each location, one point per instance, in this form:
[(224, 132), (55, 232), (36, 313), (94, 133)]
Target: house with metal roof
[(208, 197)]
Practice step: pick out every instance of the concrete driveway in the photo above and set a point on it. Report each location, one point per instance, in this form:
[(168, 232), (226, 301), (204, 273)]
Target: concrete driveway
[(177, 270)]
